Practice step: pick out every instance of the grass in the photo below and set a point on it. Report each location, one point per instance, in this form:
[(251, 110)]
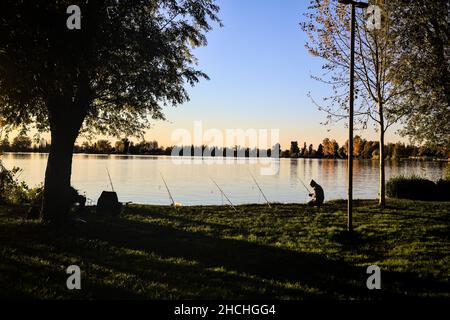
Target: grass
[(288, 252)]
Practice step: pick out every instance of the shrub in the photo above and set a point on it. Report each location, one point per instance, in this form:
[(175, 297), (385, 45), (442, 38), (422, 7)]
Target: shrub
[(8, 183), (14, 192), (414, 188), (443, 189)]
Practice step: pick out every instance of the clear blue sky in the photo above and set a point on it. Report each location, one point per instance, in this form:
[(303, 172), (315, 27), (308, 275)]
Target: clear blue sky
[(260, 77)]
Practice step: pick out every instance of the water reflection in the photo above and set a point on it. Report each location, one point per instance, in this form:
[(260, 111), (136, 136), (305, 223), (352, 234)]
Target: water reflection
[(137, 178)]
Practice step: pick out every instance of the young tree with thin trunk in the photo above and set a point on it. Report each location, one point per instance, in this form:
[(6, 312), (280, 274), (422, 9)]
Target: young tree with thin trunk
[(327, 25), (113, 76)]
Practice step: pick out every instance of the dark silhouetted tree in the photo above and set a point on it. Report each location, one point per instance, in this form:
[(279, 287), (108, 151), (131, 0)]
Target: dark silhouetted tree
[(304, 151), (122, 146), (129, 59), (21, 143), (103, 146), (294, 149), (311, 151), (319, 153)]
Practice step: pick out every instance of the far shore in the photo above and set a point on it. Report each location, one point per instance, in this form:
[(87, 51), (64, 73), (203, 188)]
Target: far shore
[(424, 158)]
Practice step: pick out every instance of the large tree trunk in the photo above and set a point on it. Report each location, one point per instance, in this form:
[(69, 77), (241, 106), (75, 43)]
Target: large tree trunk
[(382, 199), (57, 199)]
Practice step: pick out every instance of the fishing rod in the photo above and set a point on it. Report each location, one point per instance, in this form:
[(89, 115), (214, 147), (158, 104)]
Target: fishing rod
[(3, 168), (167, 188), (256, 182), (223, 193), (20, 173), (309, 191), (110, 180)]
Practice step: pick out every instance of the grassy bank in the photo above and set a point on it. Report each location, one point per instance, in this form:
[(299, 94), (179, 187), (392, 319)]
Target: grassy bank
[(287, 252)]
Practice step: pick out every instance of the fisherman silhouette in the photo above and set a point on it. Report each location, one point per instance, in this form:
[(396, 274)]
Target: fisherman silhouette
[(318, 196)]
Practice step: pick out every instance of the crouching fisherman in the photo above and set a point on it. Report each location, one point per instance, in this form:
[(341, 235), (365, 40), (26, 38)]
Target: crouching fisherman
[(318, 196)]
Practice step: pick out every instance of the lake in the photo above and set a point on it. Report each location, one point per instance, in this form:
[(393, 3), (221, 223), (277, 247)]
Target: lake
[(138, 178)]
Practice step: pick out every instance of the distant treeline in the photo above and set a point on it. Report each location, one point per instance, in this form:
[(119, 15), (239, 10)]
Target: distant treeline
[(362, 149)]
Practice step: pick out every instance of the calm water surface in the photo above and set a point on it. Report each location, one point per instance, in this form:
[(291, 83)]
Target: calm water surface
[(137, 178)]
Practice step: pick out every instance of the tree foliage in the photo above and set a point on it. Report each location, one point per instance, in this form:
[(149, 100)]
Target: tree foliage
[(327, 25), (421, 69), (130, 58)]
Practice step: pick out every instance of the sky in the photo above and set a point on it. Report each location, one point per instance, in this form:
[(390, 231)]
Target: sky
[(260, 76)]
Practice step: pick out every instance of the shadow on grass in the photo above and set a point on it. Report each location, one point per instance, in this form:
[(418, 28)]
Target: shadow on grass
[(121, 258)]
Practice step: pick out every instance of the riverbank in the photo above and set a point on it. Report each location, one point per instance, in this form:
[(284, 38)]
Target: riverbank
[(290, 251)]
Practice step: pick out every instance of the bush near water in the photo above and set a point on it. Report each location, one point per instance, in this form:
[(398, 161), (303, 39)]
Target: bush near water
[(418, 188), (13, 191)]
